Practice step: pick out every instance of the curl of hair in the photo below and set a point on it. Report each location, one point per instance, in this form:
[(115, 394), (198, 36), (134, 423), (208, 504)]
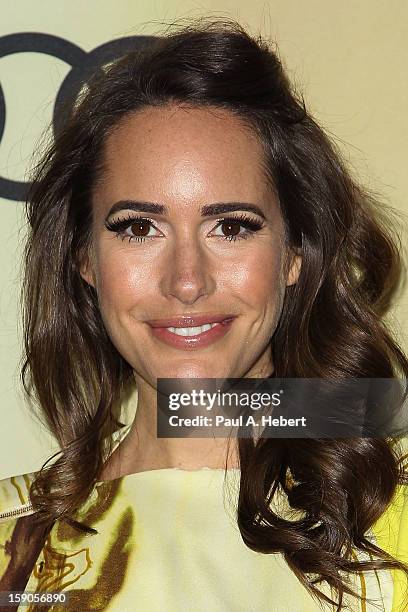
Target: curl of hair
[(331, 324)]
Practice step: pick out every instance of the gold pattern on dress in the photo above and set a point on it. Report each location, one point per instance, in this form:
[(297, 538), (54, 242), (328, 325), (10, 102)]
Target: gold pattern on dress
[(56, 566), (96, 506), (57, 570), (23, 499), (27, 481), (109, 574)]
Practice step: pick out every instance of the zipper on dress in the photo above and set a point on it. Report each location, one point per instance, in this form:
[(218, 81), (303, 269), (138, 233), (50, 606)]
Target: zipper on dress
[(27, 508), (22, 510)]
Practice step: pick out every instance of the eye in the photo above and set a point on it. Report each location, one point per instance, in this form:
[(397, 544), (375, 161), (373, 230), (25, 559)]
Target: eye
[(232, 226), (139, 226)]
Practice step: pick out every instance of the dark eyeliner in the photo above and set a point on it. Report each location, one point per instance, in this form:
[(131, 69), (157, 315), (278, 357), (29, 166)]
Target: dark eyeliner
[(247, 222), (120, 225)]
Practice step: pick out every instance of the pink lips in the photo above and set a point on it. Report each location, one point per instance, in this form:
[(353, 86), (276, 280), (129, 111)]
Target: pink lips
[(190, 320), (224, 323)]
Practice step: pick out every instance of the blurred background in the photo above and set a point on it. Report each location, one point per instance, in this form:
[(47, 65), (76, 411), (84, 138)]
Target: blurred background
[(349, 59)]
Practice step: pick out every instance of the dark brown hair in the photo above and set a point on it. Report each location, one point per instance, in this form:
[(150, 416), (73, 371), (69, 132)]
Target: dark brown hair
[(332, 320)]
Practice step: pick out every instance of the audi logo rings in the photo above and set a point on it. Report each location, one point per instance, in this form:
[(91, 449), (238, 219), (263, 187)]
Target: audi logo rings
[(83, 66)]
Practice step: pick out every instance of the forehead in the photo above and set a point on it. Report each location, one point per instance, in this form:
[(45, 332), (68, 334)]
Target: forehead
[(183, 152)]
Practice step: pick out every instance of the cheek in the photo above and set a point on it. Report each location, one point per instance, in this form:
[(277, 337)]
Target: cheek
[(122, 282), (257, 277)]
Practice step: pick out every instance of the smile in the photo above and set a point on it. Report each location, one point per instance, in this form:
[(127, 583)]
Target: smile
[(191, 331), (192, 337)]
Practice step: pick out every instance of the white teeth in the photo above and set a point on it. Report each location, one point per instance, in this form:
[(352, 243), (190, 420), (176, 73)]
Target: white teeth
[(191, 331)]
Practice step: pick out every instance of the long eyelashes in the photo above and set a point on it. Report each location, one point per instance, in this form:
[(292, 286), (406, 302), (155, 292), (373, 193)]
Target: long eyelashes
[(120, 225)]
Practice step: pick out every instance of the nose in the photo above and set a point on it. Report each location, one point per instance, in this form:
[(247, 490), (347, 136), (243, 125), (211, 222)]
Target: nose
[(188, 273)]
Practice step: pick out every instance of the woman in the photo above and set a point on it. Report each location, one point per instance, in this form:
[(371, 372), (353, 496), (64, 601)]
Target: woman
[(191, 187)]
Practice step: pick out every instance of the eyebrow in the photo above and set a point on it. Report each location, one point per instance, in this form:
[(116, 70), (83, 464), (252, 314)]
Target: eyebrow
[(206, 211)]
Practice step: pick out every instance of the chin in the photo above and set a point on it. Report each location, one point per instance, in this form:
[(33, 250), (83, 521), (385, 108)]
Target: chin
[(193, 370)]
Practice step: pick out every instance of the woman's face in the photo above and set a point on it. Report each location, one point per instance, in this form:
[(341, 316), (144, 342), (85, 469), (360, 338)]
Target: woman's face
[(174, 167)]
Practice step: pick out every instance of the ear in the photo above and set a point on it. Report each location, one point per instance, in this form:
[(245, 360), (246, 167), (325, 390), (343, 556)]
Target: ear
[(294, 267), (86, 268)]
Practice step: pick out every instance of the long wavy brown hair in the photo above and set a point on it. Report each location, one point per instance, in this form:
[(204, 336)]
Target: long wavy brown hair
[(332, 324)]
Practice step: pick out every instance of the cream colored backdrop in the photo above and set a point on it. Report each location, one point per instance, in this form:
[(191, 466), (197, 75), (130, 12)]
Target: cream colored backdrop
[(349, 58)]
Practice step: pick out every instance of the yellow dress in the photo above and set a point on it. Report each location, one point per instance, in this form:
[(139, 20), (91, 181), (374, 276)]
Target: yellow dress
[(168, 542)]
